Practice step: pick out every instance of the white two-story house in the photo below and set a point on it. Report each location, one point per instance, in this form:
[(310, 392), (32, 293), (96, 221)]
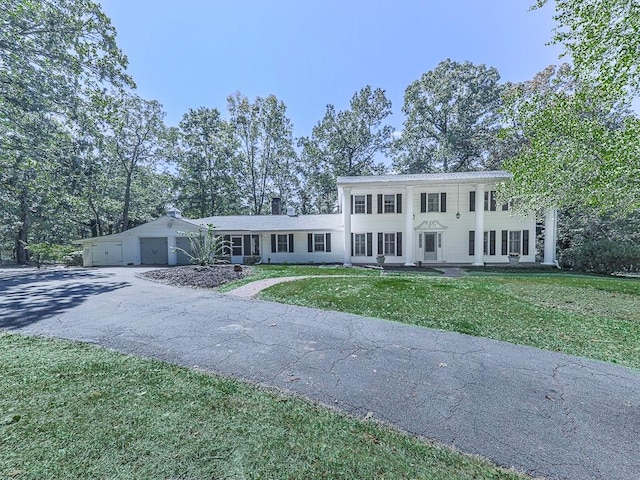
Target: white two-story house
[(437, 218)]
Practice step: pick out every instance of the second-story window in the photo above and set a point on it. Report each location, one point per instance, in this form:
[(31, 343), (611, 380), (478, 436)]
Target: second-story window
[(389, 204), (359, 204)]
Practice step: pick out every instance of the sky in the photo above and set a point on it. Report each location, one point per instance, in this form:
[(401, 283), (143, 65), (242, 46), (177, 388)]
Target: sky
[(195, 53)]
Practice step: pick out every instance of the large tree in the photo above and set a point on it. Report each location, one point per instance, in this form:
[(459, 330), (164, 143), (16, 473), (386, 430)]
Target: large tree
[(206, 157), (53, 53), (347, 143), (266, 154), (574, 155), (452, 120)]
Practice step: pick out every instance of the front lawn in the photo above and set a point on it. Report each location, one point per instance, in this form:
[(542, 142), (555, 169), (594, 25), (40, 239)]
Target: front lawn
[(594, 317), (75, 411)]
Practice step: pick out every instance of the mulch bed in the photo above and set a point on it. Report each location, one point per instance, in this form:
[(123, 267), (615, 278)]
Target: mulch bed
[(197, 276)]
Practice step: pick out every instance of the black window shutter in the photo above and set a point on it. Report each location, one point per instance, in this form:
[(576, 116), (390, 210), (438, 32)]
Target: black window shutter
[(492, 242), (380, 244), (351, 204), (369, 244), (399, 203), (399, 244), (352, 244), (486, 201), (443, 202), (505, 207), (472, 242), (472, 201), (327, 242), (492, 197), (309, 242), (505, 239), (274, 244), (525, 242), (291, 243), (246, 244), (369, 203), (379, 203), (423, 202)]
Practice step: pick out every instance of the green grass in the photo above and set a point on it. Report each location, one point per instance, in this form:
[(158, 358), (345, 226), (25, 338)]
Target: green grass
[(258, 272), (593, 317), (69, 410)]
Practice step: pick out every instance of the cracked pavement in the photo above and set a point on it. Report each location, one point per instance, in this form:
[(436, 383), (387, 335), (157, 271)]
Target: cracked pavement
[(541, 412)]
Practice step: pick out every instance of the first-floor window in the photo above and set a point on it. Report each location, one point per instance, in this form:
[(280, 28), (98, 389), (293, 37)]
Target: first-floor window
[(389, 243), (514, 241), (318, 242), (283, 244), (360, 244)]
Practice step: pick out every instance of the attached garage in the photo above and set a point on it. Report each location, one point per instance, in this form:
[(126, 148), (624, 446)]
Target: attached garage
[(181, 257), (106, 254), (154, 251)]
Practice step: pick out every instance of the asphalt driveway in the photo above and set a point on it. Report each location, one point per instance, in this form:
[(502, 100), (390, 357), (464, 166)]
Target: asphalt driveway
[(545, 413)]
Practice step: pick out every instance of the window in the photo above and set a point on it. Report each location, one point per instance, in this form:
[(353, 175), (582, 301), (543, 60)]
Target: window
[(236, 246), (389, 204), (490, 201), (283, 245), (433, 202), (360, 244), (319, 242), (389, 243), (359, 204), (514, 242)]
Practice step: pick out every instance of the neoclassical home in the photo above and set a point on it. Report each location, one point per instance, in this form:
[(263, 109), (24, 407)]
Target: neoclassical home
[(437, 218)]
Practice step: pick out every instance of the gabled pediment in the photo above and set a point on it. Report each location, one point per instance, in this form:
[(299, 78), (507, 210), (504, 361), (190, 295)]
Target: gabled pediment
[(431, 225)]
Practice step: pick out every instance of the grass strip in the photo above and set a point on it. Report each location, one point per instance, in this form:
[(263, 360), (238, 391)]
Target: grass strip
[(70, 410), (592, 317)]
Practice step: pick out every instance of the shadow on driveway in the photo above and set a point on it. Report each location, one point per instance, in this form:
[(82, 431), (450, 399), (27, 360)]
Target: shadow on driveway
[(28, 297)]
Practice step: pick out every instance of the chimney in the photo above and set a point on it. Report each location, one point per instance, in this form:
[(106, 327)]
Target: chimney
[(174, 212), (276, 206)]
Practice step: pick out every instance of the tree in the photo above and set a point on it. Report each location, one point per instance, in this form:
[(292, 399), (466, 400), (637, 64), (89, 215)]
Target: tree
[(133, 140), (452, 120), (344, 143), (53, 53), (206, 156), (574, 155), (267, 158)]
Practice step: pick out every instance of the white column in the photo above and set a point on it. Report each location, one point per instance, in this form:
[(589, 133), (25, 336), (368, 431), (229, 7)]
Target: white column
[(173, 255), (478, 253), (410, 234), (550, 237), (346, 218)]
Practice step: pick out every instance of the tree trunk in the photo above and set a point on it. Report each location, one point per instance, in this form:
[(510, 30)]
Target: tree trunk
[(25, 220), (127, 203)]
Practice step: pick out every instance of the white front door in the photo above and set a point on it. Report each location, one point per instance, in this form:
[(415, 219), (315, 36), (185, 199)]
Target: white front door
[(430, 243), (236, 249)]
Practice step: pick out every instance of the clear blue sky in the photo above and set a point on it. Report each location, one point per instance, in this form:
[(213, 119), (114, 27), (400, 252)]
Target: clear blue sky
[(193, 53)]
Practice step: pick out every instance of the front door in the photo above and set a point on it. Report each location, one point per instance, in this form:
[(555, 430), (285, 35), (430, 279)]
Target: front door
[(430, 247), (236, 249)]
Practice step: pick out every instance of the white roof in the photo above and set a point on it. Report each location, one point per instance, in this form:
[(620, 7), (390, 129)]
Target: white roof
[(271, 223), (422, 178)]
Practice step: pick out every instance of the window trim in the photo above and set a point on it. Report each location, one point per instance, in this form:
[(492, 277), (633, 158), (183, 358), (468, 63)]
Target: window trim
[(359, 203)]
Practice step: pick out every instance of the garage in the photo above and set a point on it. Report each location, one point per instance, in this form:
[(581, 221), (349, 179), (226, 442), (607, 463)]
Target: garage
[(106, 254), (154, 251), (184, 244)]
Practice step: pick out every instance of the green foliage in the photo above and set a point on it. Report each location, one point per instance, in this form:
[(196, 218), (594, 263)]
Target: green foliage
[(344, 143), (592, 317), (268, 162), (44, 252), (451, 120), (207, 247), (205, 152), (602, 256)]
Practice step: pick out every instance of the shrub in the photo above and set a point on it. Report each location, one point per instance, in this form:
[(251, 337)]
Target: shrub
[(207, 248), (45, 252), (602, 256)]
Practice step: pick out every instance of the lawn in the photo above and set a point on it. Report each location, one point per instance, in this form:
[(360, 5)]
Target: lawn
[(594, 317), (69, 410)]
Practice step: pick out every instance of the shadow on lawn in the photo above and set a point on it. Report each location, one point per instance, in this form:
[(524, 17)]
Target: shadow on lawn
[(28, 297)]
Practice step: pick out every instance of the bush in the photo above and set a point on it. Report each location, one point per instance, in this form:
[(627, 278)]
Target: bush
[(602, 256), (207, 247), (45, 252)]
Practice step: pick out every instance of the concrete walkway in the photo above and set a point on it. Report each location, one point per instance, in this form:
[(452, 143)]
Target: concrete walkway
[(542, 412)]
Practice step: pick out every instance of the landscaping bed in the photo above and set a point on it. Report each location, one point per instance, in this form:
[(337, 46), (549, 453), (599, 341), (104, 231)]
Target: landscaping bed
[(198, 276)]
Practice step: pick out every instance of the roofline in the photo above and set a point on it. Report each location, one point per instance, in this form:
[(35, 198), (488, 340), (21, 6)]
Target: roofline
[(420, 179)]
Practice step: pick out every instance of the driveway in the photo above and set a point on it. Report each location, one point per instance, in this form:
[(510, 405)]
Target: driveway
[(545, 413)]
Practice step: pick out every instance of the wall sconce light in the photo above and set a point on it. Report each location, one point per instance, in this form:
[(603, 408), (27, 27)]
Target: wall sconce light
[(458, 212)]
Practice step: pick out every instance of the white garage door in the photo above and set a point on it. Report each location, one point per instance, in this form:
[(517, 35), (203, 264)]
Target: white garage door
[(106, 253)]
